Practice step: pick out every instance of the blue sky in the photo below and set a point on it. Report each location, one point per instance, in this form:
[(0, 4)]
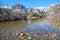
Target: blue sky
[(31, 3)]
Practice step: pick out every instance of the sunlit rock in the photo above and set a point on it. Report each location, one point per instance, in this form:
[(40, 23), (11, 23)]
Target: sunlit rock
[(53, 36), (26, 36), (29, 38), (21, 34), (16, 33)]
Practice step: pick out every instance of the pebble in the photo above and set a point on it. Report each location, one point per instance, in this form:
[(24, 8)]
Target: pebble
[(29, 38), (53, 36), (21, 34), (16, 34)]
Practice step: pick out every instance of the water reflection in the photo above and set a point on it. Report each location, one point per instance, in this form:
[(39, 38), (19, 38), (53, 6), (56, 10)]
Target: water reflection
[(55, 22), (28, 30), (17, 24)]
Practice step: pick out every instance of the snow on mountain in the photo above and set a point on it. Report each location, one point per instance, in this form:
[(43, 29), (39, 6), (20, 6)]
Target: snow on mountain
[(6, 7)]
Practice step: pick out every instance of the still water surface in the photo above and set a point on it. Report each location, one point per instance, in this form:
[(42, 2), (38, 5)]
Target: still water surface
[(28, 30)]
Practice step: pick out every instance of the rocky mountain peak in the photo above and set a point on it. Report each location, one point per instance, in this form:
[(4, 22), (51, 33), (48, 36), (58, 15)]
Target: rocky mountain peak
[(18, 6)]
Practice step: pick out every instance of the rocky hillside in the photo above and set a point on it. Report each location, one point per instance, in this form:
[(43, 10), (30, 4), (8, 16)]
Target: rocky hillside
[(13, 13), (18, 11), (54, 14)]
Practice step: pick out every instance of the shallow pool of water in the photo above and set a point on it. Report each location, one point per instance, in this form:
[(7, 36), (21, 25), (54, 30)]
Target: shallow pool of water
[(28, 30)]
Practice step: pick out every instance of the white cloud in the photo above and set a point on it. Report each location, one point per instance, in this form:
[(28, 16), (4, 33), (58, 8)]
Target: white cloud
[(41, 7)]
